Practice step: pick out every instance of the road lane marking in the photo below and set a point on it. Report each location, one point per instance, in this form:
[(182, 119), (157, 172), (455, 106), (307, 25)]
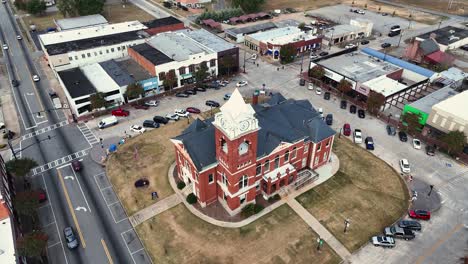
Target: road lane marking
[(60, 162), (105, 201), (75, 220), (125, 242), (430, 251), (79, 185), (44, 130), (106, 250)]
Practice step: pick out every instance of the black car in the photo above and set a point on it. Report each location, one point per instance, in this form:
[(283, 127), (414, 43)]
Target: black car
[(15, 83), (391, 131), (369, 143), (212, 103), (184, 95), (385, 45), (410, 224), (403, 137), (399, 232), (326, 96), (160, 120), (323, 53), (364, 42), (361, 113), (352, 109), (343, 104), (430, 150), (200, 89), (329, 119), (191, 92), (150, 123)]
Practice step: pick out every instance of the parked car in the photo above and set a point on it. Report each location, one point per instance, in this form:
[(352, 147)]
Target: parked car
[(320, 110), (310, 86), (398, 232), (41, 195), (347, 129), (349, 46), (343, 104), (352, 109), (120, 112), (391, 131), (36, 78), (137, 129), (172, 116), (160, 119), (302, 82), (403, 137), (182, 95), (405, 166), (141, 106), (200, 89), (226, 96), (430, 150), (361, 113), (107, 122), (15, 83), (5, 46), (193, 110), (70, 238), (323, 53), (212, 103), (313, 56), (19, 37), (395, 27), (182, 113), (318, 90), (386, 45), (420, 214), (326, 96), (152, 103), (329, 119), (241, 83), (384, 14), (369, 143), (364, 42), (410, 224), (383, 241), (357, 136), (76, 165), (416, 143), (191, 92), (150, 123)]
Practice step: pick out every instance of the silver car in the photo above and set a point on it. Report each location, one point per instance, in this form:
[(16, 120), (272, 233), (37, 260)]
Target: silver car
[(70, 238), (172, 116), (383, 241)]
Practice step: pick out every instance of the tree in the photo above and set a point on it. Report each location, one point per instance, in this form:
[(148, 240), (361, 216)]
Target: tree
[(301, 26), (97, 100), (287, 53), (249, 6), (134, 90), (26, 203), (89, 7), (20, 167), (344, 86), (317, 72), (226, 64), (21, 4), (375, 101), (411, 122), (455, 141), (201, 73), (36, 7), (32, 245), (170, 80), (394, 13), (67, 8)]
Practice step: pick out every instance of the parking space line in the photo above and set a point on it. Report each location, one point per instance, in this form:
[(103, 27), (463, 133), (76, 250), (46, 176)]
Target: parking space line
[(48, 224), (54, 244), (113, 203), (134, 252), (104, 198), (125, 242), (105, 188)]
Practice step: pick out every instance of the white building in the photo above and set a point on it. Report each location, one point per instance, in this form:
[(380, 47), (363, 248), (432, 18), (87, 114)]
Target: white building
[(78, 47), (80, 22), (8, 238), (448, 37), (357, 29)]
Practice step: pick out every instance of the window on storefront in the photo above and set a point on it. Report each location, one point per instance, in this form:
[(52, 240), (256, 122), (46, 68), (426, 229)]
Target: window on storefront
[(306, 148), (204, 64), (210, 178), (212, 63), (225, 182), (191, 68), (182, 70), (162, 76), (319, 146), (242, 198), (243, 182)]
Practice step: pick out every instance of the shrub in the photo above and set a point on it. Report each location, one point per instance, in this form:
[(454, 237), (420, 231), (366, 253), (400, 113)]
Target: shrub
[(274, 198), (248, 210), (191, 198), (180, 185), (258, 208), (2, 146)]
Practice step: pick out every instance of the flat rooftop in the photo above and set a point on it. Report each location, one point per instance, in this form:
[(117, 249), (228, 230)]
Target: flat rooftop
[(384, 85), (133, 69), (160, 22), (358, 66), (426, 103), (153, 55), (81, 22), (120, 76), (208, 39), (76, 83), (272, 34), (455, 105), (447, 35), (7, 233), (340, 30), (251, 29), (287, 23), (177, 46)]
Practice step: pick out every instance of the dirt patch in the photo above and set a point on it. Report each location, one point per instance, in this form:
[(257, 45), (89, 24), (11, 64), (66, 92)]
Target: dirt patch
[(457, 7), (300, 5), (371, 198), (42, 22), (118, 13), (177, 236), (145, 156)]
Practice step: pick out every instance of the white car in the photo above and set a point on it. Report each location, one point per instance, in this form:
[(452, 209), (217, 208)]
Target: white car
[(241, 83), (36, 78), (5, 46), (181, 113), (310, 87), (404, 166), (383, 241), (137, 129), (416, 143), (350, 46), (318, 91), (152, 103), (172, 116), (19, 37), (320, 110), (313, 56), (360, 12), (357, 136)]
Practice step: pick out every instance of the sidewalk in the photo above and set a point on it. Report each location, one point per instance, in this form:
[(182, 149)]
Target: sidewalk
[(99, 152), (424, 201), (155, 209)]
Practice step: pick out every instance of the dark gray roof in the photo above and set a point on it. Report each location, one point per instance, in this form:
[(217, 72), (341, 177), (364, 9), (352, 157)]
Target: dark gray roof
[(76, 83), (251, 29), (134, 69), (429, 46), (165, 21), (153, 55), (446, 35), (121, 77), (280, 120)]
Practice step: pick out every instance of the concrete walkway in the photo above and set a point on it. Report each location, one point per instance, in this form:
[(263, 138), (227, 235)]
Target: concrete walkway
[(155, 209)]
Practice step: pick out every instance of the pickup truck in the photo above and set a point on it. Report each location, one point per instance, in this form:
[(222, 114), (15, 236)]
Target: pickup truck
[(398, 232)]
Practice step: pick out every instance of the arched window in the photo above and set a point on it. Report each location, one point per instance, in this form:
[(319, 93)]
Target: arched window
[(224, 146), (286, 156), (276, 161), (243, 182)]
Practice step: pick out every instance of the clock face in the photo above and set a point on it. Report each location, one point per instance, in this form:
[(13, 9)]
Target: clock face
[(243, 148), (222, 122), (244, 125)]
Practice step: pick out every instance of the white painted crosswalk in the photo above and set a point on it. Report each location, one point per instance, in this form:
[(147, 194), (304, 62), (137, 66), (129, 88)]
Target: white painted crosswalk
[(44, 130), (58, 162), (89, 136)]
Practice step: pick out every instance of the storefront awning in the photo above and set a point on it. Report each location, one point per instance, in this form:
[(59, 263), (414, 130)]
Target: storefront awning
[(186, 76)]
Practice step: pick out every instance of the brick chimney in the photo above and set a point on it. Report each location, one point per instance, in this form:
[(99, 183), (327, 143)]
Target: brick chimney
[(255, 97)]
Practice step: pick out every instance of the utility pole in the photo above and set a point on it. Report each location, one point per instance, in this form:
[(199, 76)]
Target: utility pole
[(401, 36), (302, 60), (430, 190), (244, 59), (9, 144)]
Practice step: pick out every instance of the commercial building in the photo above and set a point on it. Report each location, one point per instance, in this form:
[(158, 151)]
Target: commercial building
[(8, 254), (270, 42), (164, 24), (247, 151), (357, 29), (238, 34), (427, 51), (371, 70), (448, 37), (80, 22), (7, 187), (450, 114), (77, 47), (175, 54)]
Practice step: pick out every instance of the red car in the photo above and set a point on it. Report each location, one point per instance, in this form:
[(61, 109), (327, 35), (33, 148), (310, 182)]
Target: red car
[(76, 165), (193, 110), (346, 130), (41, 195), (120, 112), (420, 214)]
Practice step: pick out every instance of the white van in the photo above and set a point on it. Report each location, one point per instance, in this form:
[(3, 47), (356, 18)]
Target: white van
[(107, 122), (57, 103)]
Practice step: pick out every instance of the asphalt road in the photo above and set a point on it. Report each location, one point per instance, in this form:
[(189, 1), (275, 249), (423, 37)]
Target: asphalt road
[(83, 200)]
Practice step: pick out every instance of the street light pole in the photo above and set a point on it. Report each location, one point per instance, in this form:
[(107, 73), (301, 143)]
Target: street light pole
[(302, 60), (9, 144), (430, 190), (401, 35), (244, 59)]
